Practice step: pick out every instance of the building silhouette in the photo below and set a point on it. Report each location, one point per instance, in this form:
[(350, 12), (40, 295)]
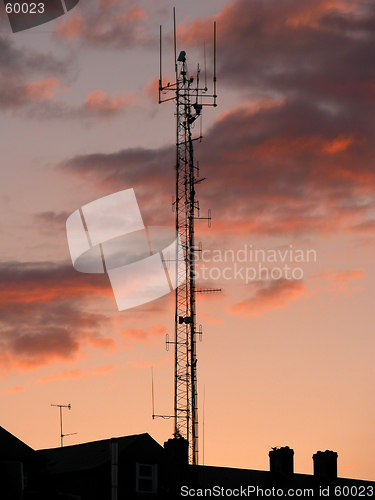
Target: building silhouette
[(136, 467)]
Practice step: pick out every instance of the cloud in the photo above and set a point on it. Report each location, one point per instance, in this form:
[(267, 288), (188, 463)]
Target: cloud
[(12, 390), (340, 280), (52, 220), (148, 171), (106, 25), (315, 48), (36, 99), (30, 80), (99, 103), (297, 155), (271, 296), (347, 276), (40, 283), (23, 61), (75, 374), (31, 84), (43, 317), (15, 94), (288, 166), (145, 335)]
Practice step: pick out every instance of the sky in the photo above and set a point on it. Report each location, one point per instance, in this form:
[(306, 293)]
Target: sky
[(288, 156)]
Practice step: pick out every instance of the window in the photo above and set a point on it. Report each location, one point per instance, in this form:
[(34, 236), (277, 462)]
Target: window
[(146, 478)]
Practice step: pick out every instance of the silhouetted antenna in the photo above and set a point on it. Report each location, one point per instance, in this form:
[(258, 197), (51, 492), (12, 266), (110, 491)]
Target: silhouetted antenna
[(175, 42), (152, 389), (208, 290), (153, 400), (204, 404), (62, 435), (161, 65), (205, 66), (190, 98), (215, 94)]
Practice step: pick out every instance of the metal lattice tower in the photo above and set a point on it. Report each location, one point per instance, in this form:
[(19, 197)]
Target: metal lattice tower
[(189, 98)]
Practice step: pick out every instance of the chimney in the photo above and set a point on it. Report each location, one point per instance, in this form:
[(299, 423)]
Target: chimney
[(325, 464), (178, 448), (281, 461)]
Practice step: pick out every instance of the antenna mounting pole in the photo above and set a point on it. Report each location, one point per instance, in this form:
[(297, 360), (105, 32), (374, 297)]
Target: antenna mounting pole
[(62, 435)]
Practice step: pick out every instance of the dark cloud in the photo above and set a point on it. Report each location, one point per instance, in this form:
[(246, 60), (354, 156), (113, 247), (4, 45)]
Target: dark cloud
[(283, 166), (315, 48), (51, 219), (149, 172), (107, 25), (32, 83), (22, 61), (46, 315), (36, 99), (29, 79), (298, 154), (43, 317), (45, 281)]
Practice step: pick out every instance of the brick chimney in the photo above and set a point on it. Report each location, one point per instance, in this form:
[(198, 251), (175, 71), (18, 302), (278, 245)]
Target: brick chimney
[(325, 464), (281, 461)]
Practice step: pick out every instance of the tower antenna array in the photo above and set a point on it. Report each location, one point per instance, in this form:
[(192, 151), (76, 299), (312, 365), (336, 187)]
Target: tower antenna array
[(190, 98)]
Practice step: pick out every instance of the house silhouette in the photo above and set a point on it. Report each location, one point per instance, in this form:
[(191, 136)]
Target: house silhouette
[(136, 467)]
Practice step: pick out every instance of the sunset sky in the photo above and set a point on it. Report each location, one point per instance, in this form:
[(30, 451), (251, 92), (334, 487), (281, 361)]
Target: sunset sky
[(289, 157)]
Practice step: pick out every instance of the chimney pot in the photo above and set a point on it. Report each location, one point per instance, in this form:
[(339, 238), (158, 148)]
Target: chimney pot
[(178, 448), (325, 464), (281, 461)]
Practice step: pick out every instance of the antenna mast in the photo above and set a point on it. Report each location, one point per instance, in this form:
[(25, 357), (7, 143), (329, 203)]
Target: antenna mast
[(190, 98), (62, 435)]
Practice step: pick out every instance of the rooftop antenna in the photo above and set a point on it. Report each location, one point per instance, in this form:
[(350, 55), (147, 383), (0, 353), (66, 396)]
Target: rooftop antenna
[(153, 399), (215, 94), (190, 100), (204, 404), (205, 67), (62, 435), (175, 42)]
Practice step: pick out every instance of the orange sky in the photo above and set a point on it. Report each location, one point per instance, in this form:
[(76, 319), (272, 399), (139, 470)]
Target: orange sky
[(289, 161)]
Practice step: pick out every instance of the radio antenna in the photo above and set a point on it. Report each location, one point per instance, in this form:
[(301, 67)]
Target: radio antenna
[(190, 98), (161, 65), (205, 66), (62, 435), (153, 399), (215, 94), (175, 42)]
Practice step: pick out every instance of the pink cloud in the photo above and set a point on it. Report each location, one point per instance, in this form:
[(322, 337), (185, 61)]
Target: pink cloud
[(340, 280), (106, 24), (347, 276), (12, 390), (145, 335), (75, 374), (44, 89), (98, 103), (43, 316), (275, 295)]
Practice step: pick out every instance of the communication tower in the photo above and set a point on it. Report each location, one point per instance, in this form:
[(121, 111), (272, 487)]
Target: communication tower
[(190, 97)]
